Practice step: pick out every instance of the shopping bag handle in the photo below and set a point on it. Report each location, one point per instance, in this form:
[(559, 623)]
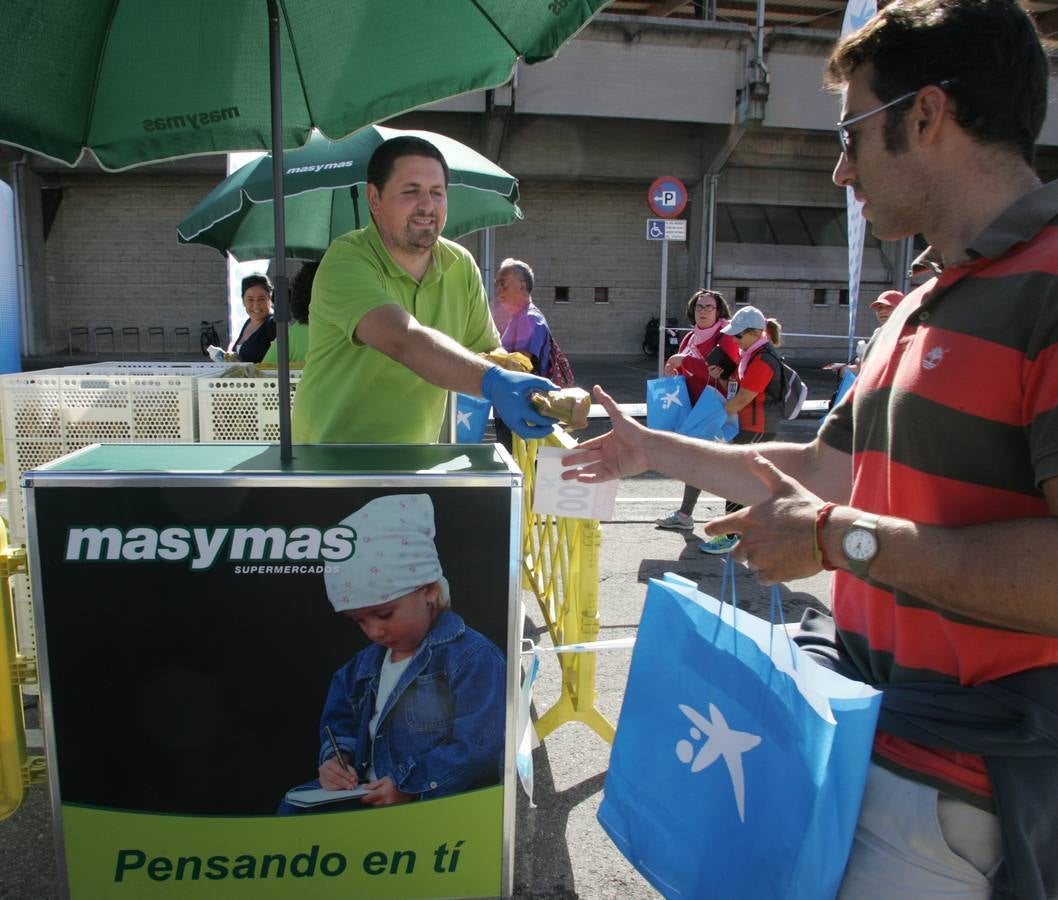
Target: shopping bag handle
[(728, 577), (776, 609)]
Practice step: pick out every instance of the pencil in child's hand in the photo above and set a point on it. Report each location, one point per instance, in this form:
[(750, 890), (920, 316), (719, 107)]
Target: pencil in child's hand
[(334, 746)]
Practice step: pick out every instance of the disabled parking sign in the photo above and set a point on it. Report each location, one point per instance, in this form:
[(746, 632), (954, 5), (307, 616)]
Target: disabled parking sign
[(666, 229), (667, 197)]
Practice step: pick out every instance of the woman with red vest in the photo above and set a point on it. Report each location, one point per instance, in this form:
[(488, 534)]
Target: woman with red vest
[(759, 397)]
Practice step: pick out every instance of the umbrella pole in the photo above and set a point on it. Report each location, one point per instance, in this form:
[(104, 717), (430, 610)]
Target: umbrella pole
[(282, 304)]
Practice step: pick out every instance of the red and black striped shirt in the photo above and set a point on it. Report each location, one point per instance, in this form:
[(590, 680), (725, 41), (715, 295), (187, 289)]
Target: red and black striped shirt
[(953, 421)]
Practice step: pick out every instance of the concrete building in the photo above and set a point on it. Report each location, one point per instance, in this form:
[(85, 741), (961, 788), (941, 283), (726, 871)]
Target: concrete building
[(734, 111)]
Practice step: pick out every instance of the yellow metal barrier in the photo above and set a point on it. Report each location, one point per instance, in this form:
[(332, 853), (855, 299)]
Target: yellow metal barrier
[(17, 769), (560, 565)]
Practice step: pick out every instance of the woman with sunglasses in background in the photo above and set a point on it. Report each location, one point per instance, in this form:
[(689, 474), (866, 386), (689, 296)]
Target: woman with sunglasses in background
[(708, 311)]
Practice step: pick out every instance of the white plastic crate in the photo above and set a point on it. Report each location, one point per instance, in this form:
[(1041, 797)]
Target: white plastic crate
[(141, 367), (237, 410), (49, 413)]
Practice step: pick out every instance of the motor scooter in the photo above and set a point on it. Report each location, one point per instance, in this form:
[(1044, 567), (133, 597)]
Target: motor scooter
[(650, 337)]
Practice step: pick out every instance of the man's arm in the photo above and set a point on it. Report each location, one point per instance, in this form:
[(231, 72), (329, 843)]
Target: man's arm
[(430, 354), (722, 469), (1002, 572), (442, 361)]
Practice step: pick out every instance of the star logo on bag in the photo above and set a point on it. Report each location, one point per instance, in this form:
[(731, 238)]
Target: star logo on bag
[(720, 741), (671, 398), (463, 420)]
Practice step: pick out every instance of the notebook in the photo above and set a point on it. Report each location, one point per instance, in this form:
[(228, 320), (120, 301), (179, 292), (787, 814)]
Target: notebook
[(307, 797)]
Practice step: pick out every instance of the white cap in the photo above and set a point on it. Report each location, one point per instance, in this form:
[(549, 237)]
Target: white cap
[(394, 553), (747, 317)]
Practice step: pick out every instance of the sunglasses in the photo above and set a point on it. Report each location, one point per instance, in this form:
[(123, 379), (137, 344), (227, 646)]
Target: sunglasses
[(845, 136), (700, 306)]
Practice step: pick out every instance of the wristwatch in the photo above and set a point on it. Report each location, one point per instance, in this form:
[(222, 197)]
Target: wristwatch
[(860, 544)]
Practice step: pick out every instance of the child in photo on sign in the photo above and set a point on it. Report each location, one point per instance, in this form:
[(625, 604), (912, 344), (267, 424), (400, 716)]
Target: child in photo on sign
[(419, 713)]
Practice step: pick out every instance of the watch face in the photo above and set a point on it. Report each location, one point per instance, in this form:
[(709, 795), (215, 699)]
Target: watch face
[(859, 544)]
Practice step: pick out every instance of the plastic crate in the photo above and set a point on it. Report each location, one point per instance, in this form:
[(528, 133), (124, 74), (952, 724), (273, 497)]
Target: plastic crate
[(49, 413), (238, 410), (140, 367)]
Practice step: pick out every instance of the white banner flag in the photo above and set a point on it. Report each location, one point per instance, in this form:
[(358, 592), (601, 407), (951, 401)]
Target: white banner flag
[(856, 15)]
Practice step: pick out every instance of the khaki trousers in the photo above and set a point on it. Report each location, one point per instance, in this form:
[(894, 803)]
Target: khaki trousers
[(914, 842)]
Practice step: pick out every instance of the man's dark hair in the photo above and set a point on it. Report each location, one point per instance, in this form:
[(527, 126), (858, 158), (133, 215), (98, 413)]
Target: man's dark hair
[(256, 281), (380, 166), (989, 50), (723, 311), (301, 292)]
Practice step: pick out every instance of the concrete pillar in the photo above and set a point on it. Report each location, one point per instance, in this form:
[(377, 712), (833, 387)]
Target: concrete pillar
[(34, 299)]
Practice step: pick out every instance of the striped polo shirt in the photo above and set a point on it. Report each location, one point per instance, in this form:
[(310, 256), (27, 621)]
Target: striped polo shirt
[(953, 421)]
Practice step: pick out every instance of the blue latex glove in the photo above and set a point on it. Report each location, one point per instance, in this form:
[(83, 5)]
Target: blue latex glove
[(508, 392)]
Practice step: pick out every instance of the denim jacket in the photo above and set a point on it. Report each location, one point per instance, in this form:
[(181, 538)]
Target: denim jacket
[(442, 728)]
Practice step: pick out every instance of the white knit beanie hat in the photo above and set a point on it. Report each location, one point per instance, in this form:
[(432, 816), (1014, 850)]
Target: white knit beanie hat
[(394, 553)]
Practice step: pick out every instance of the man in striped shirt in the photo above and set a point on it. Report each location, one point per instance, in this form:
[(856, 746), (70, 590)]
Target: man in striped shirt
[(933, 488)]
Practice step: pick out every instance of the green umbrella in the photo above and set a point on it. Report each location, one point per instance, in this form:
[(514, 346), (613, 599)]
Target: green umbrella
[(142, 80), (325, 196), (139, 81)]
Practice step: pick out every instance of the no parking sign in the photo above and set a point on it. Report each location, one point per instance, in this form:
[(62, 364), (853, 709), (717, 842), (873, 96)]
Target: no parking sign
[(667, 196)]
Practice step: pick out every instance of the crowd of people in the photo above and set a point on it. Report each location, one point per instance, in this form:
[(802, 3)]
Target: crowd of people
[(930, 493)]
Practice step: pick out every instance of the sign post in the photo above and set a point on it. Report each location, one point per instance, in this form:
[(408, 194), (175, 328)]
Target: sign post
[(666, 197)]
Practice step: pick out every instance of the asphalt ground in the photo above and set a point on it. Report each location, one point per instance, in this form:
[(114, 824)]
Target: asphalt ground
[(561, 851)]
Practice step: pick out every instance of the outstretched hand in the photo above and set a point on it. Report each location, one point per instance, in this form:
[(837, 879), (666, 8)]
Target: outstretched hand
[(619, 453), (778, 534)]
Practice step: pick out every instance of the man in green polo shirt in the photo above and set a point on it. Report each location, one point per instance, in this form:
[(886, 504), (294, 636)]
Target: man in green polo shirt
[(398, 316)]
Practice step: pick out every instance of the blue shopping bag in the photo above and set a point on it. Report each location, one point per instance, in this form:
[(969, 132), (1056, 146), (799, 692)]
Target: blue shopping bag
[(843, 386), (739, 763), (708, 419), (668, 402), (472, 415)]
